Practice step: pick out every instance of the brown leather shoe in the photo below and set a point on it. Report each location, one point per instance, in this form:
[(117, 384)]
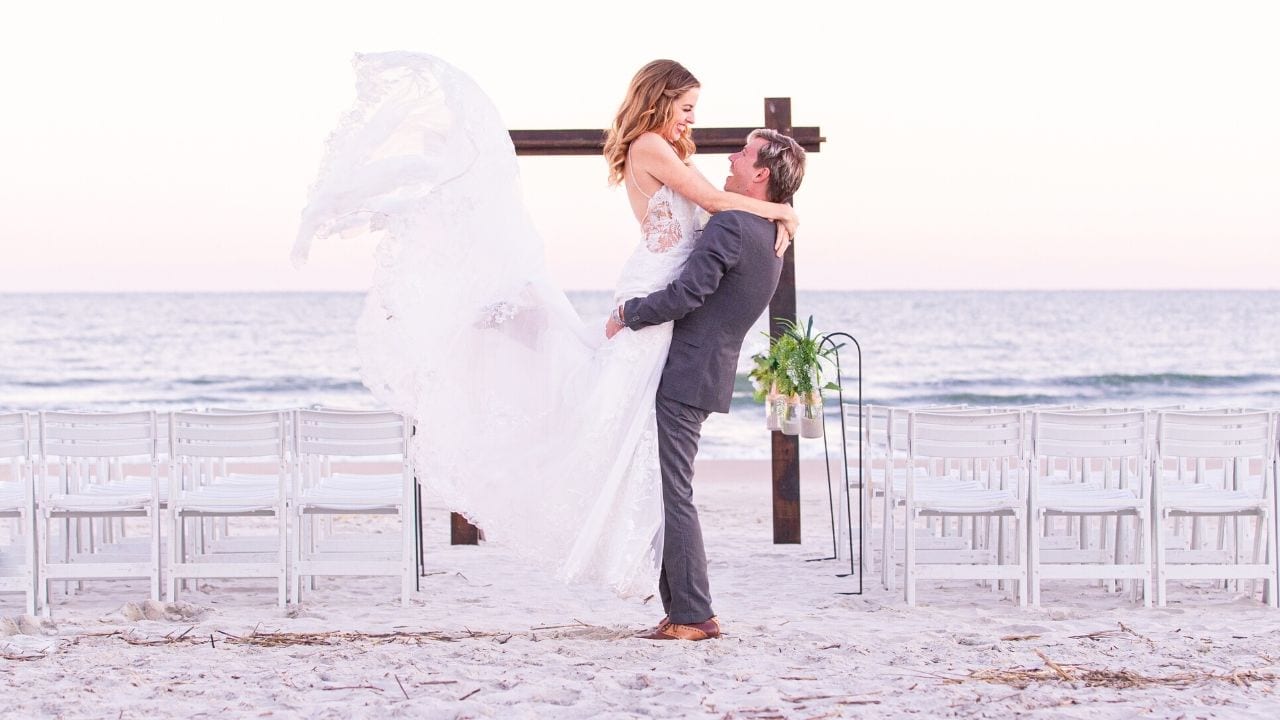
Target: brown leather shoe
[(704, 630)]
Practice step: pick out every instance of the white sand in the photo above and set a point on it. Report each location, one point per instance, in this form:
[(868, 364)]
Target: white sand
[(793, 647)]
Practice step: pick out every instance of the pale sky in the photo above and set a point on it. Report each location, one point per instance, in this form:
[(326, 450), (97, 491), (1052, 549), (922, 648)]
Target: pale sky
[(1076, 144)]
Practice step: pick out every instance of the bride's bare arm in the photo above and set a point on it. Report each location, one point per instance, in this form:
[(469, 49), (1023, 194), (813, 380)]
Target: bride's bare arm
[(656, 157), (781, 242)]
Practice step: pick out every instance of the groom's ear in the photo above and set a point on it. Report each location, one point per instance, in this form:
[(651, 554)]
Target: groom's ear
[(762, 174)]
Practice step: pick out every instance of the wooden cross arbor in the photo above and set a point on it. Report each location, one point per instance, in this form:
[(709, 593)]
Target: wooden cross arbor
[(786, 448)]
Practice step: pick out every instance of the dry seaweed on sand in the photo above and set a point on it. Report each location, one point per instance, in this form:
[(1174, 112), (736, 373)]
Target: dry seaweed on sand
[(6, 654), (289, 639), (1105, 677), (335, 637), (1123, 631)]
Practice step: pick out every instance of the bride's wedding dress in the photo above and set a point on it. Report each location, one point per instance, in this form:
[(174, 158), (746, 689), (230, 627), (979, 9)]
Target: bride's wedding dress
[(529, 422)]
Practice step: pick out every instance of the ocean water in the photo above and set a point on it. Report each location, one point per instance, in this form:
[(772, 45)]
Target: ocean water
[(245, 351)]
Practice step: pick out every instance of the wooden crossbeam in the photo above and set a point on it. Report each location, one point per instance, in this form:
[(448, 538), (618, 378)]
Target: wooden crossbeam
[(591, 142)]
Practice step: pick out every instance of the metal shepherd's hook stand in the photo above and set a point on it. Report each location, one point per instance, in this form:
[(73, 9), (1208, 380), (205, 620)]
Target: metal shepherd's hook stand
[(829, 340)]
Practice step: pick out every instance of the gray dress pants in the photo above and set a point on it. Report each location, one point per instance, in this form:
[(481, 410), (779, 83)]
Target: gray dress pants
[(683, 584)]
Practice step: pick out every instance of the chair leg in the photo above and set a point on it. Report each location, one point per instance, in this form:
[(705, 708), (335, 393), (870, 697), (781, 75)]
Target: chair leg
[(314, 535), (1159, 522), (188, 542), (68, 529), (1104, 536), (295, 573), (1142, 529), (1033, 555), (866, 499), (42, 564), (155, 552), (1020, 531), (909, 563), (888, 564), (29, 520), (283, 556), (175, 552), (1001, 550), (1269, 588), (407, 559)]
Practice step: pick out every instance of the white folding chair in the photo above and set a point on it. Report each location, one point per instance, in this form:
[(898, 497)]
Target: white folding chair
[(942, 532), (341, 468), (884, 475), (17, 504), (1242, 446), (205, 450), (1107, 478), (218, 534), (93, 454), (960, 449)]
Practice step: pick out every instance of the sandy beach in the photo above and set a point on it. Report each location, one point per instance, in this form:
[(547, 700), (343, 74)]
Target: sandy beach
[(491, 636)]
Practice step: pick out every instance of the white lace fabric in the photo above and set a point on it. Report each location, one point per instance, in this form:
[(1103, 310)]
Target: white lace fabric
[(530, 423)]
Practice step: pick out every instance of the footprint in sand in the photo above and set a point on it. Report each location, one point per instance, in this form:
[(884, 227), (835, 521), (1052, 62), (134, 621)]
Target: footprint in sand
[(26, 625)]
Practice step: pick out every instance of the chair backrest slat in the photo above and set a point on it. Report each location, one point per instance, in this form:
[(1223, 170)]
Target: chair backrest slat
[(100, 449), (951, 433), (1098, 434), (272, 449), (925, 449), (1201, 433), (337, 448), (1173, 449), (1093, 435), (97, 435), (967, 436), (1216, 435), (232, 435), (133, 417), (350, 434), (15, 436), (1211, 418)]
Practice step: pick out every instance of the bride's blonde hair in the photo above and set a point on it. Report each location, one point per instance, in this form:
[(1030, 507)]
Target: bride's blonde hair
[(649, 106)]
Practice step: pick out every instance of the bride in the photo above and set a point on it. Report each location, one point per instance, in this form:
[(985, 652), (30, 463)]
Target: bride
[(528, 422)]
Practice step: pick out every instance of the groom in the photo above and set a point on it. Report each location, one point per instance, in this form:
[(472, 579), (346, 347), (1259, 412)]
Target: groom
[(726, 283)]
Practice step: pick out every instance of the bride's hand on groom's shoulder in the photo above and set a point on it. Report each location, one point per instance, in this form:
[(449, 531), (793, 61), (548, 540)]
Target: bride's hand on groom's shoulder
[(783, 240), (789, 220)]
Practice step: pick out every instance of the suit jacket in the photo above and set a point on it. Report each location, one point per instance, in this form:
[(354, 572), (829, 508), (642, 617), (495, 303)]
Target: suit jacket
[(726, 283)]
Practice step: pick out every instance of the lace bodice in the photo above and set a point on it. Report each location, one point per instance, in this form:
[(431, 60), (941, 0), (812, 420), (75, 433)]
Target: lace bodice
[(670, 227)]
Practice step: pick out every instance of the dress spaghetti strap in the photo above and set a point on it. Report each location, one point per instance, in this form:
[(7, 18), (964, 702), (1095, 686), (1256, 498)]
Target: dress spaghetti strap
[(631, 169)]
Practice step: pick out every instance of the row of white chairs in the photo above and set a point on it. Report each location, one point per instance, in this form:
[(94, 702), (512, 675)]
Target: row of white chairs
[(73, 484), (1026, 494)]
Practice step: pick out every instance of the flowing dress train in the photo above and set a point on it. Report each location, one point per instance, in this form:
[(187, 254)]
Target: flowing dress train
[(529, 422)]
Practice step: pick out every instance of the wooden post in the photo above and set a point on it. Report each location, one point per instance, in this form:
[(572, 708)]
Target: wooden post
[(785, 448), (462, 532)]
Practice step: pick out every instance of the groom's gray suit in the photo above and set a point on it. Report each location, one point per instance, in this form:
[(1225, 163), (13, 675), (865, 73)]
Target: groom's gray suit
[(725, 285)]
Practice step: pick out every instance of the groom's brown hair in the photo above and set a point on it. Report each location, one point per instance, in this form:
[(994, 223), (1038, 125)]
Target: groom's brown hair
[(783, 157)]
